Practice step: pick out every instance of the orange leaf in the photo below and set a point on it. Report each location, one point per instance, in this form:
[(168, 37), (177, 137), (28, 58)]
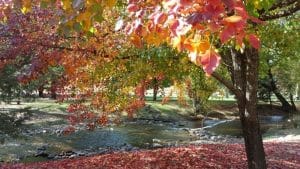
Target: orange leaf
[(136, 40)]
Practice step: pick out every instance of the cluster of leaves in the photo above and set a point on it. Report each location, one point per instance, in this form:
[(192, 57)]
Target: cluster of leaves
[(193, 26), (279, 155)]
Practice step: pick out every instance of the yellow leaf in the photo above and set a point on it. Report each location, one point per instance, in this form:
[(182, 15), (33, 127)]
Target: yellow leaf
[(66, 5), (153, 39), (109, 3), (85, 18), (26, 6), (233, 19), (197, 45), (177, 43)]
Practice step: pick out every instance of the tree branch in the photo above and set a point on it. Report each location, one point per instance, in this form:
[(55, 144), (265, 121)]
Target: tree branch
[(292, 8), (282, 4), (226, 83)]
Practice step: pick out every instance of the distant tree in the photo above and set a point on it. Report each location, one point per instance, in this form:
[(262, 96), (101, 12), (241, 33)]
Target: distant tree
[(279, 63), (9, 85)]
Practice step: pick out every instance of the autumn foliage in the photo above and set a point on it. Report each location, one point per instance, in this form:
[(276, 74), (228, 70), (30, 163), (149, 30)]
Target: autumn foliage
[(195, 26), (208, 156)]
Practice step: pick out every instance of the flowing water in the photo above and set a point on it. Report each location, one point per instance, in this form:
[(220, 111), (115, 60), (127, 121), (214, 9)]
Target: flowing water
[(32, 137)]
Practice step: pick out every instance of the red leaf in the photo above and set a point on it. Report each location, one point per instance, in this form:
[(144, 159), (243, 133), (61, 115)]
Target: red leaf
[(132, 8), (160, 18), (254, 41), (225, 35), (210, 61), (185, 2), (229, 4)]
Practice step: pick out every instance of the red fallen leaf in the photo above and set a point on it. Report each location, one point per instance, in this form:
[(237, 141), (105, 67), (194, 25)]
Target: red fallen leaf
[(68, 130), (203, 156), (210, 60), (254, 41)]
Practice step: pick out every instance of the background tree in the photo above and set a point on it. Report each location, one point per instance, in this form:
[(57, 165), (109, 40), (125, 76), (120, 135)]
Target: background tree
[(200, 89), (9, 85), (279, 59)]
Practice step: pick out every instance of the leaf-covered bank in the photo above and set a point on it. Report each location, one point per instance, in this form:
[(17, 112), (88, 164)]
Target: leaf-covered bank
[(279, 155)]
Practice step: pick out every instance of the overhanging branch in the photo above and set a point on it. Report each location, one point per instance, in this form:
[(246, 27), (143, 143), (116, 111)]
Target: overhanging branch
[(226, 83), (291, 8)]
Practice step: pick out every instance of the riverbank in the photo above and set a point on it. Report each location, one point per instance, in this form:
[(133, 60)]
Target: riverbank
[(220, 156), (40, 136)]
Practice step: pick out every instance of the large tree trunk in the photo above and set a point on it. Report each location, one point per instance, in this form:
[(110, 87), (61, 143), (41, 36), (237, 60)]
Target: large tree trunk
[(244, 77)]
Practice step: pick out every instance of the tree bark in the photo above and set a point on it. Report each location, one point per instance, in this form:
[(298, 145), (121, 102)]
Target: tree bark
[(292, 102), (197, 105), (155, 89), (53, 91), (284, 103), (41, 91), (247, 102), (245, 79)]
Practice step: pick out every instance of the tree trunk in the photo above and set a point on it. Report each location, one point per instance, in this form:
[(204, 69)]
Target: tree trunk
[(252, 135), (284, 103), (297, 91), (245, 81), (41, 91), (53, 91), (292, 102), (243, 84), (197, 105), (155, 89)]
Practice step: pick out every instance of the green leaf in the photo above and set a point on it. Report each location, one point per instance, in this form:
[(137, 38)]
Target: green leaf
[(44, 4), (98, 17), (77, 27)]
